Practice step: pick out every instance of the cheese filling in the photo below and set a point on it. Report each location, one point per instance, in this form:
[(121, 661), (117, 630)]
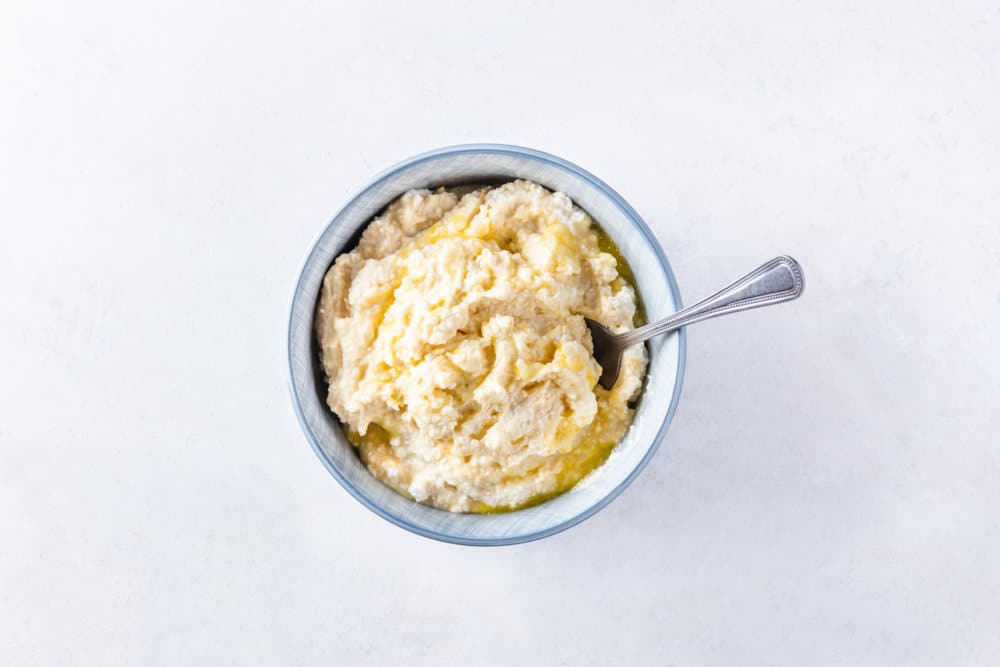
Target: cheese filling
[(457, 356)]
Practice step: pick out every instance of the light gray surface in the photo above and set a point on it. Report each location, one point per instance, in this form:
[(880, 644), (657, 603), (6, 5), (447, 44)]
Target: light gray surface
[(829, 492)]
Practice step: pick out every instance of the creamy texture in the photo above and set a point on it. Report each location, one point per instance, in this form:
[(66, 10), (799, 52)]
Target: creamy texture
[(456, 352)]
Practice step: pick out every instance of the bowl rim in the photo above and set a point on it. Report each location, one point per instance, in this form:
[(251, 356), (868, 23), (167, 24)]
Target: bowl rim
[(626, 209)]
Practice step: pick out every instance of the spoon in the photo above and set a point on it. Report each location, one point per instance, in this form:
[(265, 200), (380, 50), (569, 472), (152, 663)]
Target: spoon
[(774, 282)]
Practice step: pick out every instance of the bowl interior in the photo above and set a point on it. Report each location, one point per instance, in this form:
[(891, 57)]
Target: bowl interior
[(477, 164)]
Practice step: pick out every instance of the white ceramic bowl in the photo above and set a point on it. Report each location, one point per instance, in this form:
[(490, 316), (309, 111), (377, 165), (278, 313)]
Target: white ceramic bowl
[(477, 163)]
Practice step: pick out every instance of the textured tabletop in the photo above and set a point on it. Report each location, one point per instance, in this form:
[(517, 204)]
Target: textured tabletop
[(828, 493)]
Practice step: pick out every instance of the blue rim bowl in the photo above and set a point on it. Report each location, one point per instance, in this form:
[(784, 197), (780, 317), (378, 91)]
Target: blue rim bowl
[(477, 163)]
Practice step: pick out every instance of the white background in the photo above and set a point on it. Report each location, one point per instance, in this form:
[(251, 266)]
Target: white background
[(829, 492)]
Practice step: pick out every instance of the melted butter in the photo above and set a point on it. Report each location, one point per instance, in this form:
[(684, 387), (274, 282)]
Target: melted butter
[(577, 465), (376, 435), (606, 244)]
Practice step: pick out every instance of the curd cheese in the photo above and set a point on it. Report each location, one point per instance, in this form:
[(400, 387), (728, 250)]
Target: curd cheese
[(456, 352)]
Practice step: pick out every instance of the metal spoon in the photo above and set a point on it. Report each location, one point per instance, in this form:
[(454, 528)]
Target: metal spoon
[(777, 281)]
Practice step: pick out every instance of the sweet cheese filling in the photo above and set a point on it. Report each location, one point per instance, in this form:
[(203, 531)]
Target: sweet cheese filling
[(456, 352)]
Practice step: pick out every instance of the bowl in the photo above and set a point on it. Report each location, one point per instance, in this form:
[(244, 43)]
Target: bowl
[(479, 163)]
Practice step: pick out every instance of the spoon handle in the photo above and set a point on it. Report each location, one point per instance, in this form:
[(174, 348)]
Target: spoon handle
[(774, 282)]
